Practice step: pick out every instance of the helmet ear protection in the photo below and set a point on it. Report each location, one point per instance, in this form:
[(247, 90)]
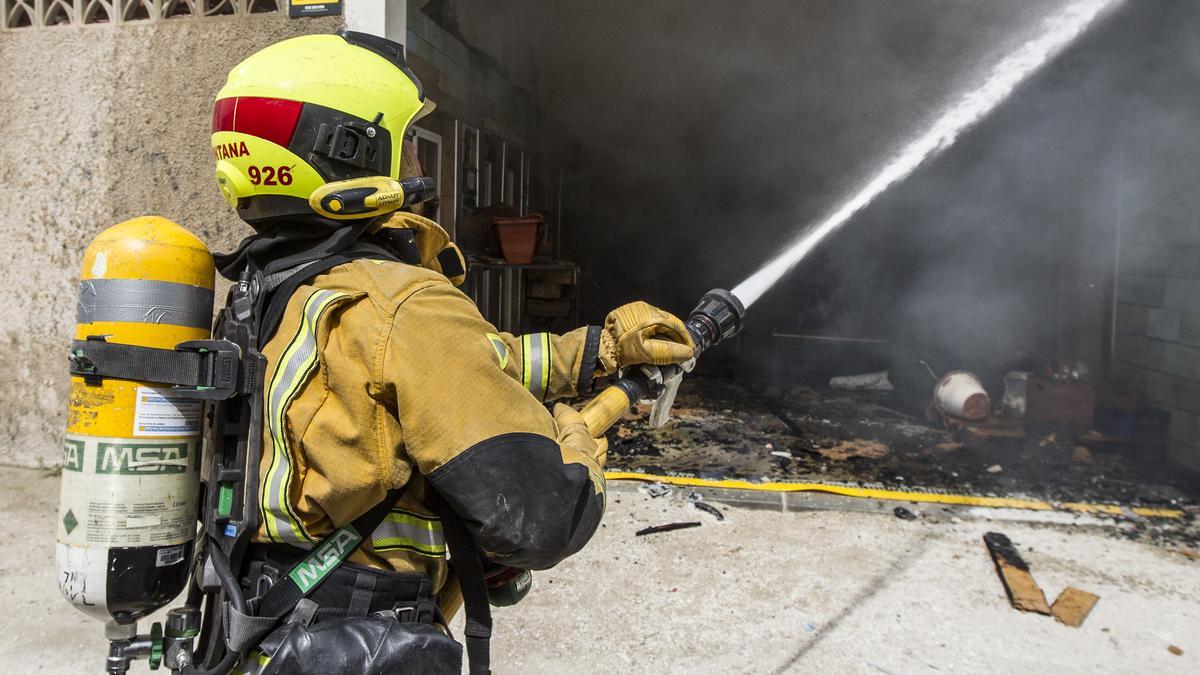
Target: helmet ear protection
[(282, 132)]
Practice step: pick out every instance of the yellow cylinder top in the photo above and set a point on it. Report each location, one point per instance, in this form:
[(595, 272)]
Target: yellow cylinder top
[(152, 248)]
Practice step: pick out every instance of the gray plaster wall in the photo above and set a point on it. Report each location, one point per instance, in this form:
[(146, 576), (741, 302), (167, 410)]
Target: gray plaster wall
[(99, 124)]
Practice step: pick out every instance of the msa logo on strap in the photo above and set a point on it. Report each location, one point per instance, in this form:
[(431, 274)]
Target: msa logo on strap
[(310, 571)]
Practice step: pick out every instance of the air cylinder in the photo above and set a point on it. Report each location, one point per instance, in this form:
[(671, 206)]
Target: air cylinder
[(130, 478)]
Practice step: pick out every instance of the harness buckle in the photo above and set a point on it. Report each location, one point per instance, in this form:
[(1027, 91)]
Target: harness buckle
[(83, 365), (401, 614), (267, 575), (420, 611), (220, 364)]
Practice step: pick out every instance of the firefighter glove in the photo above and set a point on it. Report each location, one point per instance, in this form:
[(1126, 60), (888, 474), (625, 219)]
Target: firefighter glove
[(641, 333), (573, 433)]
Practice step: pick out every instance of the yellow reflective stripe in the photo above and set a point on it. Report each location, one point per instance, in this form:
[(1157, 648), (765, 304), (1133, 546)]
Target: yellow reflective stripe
[(525, 349), (253, 664), (547, 362), (501, 349), (296, 363), (411, 532), (536, 363)]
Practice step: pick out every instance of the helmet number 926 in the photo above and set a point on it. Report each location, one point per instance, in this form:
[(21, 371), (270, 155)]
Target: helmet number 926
[(270, 175)]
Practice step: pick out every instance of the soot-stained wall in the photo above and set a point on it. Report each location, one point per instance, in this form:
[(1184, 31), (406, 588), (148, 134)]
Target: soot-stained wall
[(100, 124), (1004, 249), (706, 134)]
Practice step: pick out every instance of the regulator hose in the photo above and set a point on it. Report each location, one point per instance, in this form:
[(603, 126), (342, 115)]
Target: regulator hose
[(233, 591)]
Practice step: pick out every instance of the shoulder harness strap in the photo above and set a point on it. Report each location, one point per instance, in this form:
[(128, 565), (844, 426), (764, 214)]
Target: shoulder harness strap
[(306, 575), (468, 567), (281, 285)]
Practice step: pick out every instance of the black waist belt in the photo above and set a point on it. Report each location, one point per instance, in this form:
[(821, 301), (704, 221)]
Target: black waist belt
[(350, 590)]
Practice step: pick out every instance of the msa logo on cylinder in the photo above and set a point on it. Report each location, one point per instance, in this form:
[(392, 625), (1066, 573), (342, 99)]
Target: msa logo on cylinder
[(73, 456), (130, 459)]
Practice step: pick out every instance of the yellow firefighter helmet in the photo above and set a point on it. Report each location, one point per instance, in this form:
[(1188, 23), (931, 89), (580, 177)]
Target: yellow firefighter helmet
[(310, 111)]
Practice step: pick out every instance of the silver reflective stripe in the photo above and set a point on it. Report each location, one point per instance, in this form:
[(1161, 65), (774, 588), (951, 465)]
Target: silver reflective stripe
[(411, 532), (535, 364), (296, 363), (534, 381), (144, 301)]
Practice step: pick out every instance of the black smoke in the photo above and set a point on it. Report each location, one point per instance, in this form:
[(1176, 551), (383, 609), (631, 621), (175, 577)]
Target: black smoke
[(701, 136)]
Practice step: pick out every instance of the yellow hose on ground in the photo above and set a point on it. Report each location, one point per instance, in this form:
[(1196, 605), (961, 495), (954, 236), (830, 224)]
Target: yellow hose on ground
[(900, 495)]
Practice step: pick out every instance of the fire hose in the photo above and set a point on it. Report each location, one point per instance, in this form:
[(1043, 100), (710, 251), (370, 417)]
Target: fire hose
[(717, 317)]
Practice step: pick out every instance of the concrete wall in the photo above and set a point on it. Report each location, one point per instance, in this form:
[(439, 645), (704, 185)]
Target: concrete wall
[(480, 82), (1158, 315), (1158, 318), (99, 124)]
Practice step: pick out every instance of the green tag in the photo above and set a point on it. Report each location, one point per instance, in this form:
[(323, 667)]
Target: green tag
[(224, 499), (325, 558)]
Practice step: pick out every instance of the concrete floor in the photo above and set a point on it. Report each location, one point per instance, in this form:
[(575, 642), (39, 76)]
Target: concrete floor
[(833, 591)]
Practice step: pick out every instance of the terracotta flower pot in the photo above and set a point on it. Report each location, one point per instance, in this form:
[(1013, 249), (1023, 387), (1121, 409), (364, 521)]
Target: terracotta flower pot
[(518, 238)]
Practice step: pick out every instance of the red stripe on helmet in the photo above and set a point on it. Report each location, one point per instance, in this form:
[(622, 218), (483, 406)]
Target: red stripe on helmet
[(272, 119), (223, 115)]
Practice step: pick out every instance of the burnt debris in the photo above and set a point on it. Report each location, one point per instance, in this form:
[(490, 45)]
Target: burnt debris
[(656, 529), (1023, 592), (709, 509), (723, 429)]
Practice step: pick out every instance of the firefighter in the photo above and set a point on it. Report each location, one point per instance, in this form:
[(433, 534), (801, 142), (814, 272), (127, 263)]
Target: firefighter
[(384, 390)]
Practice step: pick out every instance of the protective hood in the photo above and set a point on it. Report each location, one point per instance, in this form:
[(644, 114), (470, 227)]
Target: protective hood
[(285, 244), (411, 238)]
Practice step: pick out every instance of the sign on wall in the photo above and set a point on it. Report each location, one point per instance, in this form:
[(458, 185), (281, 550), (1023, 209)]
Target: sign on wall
[(314, 8)]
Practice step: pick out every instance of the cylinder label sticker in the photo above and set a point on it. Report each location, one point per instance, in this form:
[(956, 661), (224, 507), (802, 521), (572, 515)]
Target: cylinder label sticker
[(128, 492), (169, 556), (162, 412)]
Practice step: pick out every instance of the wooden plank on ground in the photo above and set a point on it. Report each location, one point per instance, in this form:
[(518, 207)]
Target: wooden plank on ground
[(1023, 591), (1073, 606)]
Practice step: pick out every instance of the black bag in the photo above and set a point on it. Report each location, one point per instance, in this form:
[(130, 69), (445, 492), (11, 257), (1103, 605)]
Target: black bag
[(360, 620), (364, 645)]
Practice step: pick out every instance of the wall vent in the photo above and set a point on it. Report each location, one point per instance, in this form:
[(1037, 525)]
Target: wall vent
[(53, 14)]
